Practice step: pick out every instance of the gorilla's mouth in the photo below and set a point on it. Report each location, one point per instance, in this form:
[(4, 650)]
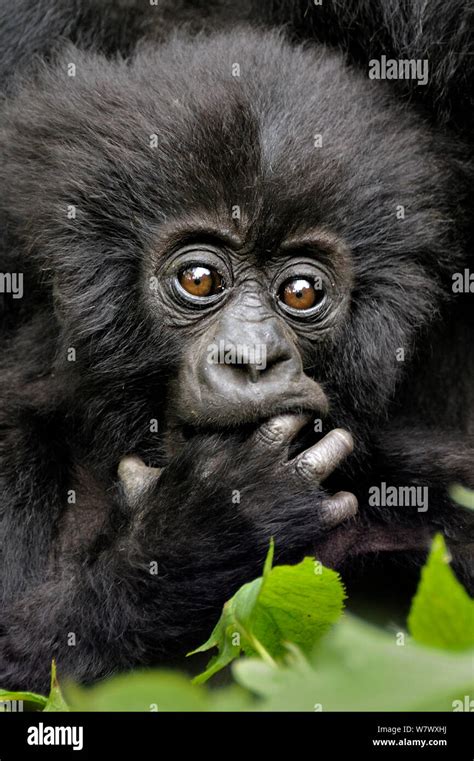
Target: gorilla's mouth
[(281, 443), (180, 431), (307, 436)]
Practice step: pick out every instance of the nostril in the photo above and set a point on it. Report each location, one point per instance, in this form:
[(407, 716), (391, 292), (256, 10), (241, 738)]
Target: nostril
[(275, 360), (247, 369), (241, 363), (256, 372)]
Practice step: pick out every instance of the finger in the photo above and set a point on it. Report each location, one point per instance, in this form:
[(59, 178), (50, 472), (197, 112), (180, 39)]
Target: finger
[(279, 431), (318, 462), (338, 508), (136, 477)]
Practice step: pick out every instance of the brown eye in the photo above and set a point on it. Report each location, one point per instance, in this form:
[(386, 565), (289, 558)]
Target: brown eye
[(300, 293), (200, 281)]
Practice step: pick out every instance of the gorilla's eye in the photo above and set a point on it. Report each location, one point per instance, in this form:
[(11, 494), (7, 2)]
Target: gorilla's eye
[(300, 293), (200, 281)]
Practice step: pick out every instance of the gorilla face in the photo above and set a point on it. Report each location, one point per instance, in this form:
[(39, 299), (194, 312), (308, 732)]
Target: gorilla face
[(256, 229), (243, 317)]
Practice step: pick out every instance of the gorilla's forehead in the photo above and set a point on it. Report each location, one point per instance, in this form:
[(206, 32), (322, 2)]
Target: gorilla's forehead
[(278, 137)]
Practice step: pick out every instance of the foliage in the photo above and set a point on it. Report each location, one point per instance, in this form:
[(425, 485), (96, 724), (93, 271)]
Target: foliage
[(296, 604), (293, 650), (442, 613)]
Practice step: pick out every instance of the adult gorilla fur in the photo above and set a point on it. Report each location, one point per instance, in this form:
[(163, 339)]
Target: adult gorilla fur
[(83, 567)]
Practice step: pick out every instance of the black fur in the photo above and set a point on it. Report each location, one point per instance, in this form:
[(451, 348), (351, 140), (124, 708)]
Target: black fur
[(362, 29), (84, 568)]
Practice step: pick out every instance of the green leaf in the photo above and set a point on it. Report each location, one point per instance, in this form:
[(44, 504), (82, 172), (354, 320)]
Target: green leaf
[(37, 702), (55, 700), (358, 667), (232, 698), (442, 613), (288, 603), (140, 691), (463, 496)]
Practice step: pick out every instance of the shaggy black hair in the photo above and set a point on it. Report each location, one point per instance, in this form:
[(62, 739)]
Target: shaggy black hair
[(438, 31), (83, 143)]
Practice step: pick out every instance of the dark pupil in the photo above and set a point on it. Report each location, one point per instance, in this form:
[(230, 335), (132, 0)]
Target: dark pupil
[(199, 273)]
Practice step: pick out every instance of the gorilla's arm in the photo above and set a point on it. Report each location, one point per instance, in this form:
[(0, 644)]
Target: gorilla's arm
[(406, 456), (175, 546)]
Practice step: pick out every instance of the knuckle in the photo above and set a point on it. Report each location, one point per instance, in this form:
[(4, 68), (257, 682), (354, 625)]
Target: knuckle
[(309, 466)]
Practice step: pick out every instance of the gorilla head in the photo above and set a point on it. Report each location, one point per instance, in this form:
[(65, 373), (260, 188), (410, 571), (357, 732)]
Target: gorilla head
[(231, 228)]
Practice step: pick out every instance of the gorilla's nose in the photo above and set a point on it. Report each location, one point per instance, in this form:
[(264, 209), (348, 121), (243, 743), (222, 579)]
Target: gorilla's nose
[(249, 369), (250, 351)]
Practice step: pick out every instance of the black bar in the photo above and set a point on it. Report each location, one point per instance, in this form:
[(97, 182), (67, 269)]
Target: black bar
[(109, 735)]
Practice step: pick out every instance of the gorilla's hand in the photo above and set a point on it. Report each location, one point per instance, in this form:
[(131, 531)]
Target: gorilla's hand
[(240, 493), (191, 535)]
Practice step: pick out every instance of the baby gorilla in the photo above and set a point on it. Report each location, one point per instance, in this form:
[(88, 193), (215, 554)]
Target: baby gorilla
[(232, 192)]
